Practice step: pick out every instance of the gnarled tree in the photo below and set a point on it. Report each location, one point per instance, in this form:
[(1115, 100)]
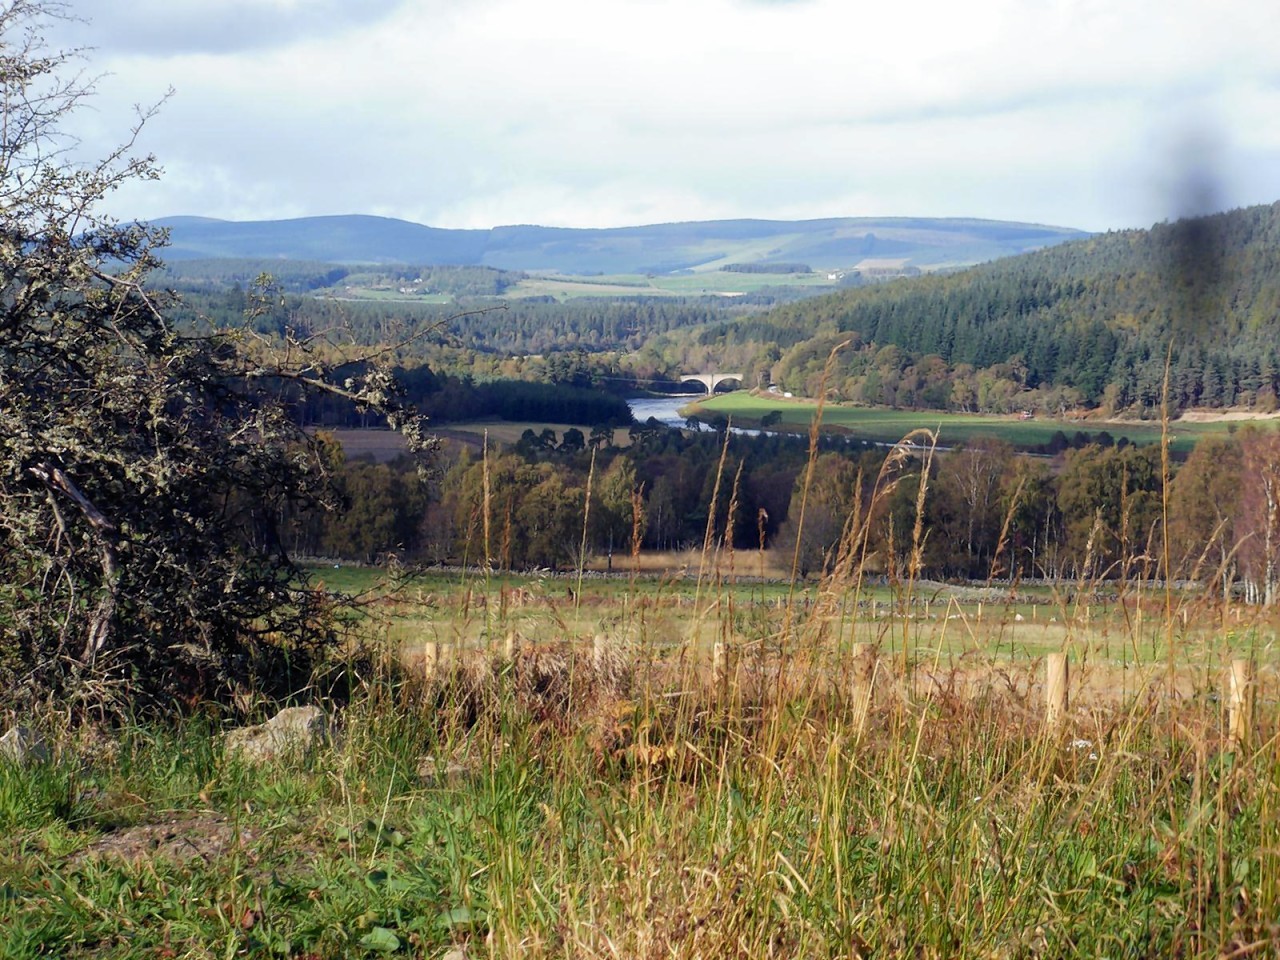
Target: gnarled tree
[(143, 468)]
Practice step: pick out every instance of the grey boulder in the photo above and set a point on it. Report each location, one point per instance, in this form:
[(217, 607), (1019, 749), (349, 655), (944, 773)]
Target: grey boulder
[(293, 732)]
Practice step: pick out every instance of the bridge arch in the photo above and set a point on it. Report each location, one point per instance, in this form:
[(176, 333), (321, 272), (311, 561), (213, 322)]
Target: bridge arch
[(710, 380)]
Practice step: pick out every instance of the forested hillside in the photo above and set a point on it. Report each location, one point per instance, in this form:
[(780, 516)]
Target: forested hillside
[(498, 331), (1088, 322)]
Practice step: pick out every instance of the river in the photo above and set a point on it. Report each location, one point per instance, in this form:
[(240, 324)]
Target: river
[(665, 409)]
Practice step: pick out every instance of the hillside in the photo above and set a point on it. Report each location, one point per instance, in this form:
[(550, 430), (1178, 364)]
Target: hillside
[(891, 245), (1088, 322)]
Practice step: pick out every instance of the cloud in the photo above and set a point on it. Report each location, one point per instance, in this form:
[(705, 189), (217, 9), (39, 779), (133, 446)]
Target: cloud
[(167, 28), (585, 112)]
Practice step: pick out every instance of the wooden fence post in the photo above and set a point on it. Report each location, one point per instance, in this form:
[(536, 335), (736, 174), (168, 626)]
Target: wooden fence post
[(720, 665), (1055, 690), (864, 672), (1240, 687), (430, 658)]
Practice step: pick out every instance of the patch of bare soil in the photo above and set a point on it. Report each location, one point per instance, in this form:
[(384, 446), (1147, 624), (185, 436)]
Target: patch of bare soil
[(180, 839), (1220, 416)]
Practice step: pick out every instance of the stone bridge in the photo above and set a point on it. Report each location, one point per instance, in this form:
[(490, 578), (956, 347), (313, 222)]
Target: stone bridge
[(710, 380)]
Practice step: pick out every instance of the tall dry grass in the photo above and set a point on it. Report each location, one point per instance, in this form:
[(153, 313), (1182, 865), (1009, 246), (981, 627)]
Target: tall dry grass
[(814, 781)]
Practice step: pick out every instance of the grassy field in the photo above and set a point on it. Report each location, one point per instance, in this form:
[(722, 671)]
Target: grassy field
[(509, 431), (384, 445), (554, 795), (700, 283), (693, 757), (563, 287), (391, 296), (667, 606), (888, 426)]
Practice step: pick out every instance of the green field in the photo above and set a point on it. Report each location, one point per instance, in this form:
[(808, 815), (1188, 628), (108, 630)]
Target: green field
[(702, 283), (887, 426), (570, 287), (932, 621)]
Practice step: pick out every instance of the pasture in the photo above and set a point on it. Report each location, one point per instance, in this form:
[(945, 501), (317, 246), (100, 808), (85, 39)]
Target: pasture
[(692, 764), (883, 425), (675, 612), (700, 283), (381, 445)]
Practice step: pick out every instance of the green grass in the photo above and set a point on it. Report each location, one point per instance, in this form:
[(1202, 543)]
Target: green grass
[(887, 426), (620, 821)]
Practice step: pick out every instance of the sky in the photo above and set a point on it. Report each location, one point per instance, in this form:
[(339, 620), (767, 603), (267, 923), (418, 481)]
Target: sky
[(1095, 114)]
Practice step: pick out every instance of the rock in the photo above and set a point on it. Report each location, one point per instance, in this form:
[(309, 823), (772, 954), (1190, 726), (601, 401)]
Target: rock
[(457, 953), (22, 746), (294, 731), (434, 773)]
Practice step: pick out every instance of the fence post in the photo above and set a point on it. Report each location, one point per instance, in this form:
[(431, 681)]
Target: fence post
[(1240, 687), (430, 658), (864, 672), (1055, 690), (720, 665)]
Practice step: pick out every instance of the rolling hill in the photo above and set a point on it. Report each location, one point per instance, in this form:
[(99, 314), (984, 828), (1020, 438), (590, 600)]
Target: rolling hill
[(1091, 323), (893, 244)]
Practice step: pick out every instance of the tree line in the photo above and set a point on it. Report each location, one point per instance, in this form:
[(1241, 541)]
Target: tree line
[(1090, 513), (446, 398)]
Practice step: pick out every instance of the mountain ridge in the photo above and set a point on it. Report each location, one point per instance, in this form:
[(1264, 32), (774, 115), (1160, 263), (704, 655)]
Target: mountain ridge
[(829, 243)]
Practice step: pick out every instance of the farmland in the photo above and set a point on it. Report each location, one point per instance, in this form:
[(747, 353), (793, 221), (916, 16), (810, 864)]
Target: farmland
[(699, 283), (564, 287), (884, 425), (382, 446)]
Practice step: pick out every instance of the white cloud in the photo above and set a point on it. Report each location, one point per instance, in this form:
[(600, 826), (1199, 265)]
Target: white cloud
[(619, 111)]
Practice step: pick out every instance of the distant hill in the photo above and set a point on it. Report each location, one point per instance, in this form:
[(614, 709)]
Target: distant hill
[(881, 244), (1089, 322)]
